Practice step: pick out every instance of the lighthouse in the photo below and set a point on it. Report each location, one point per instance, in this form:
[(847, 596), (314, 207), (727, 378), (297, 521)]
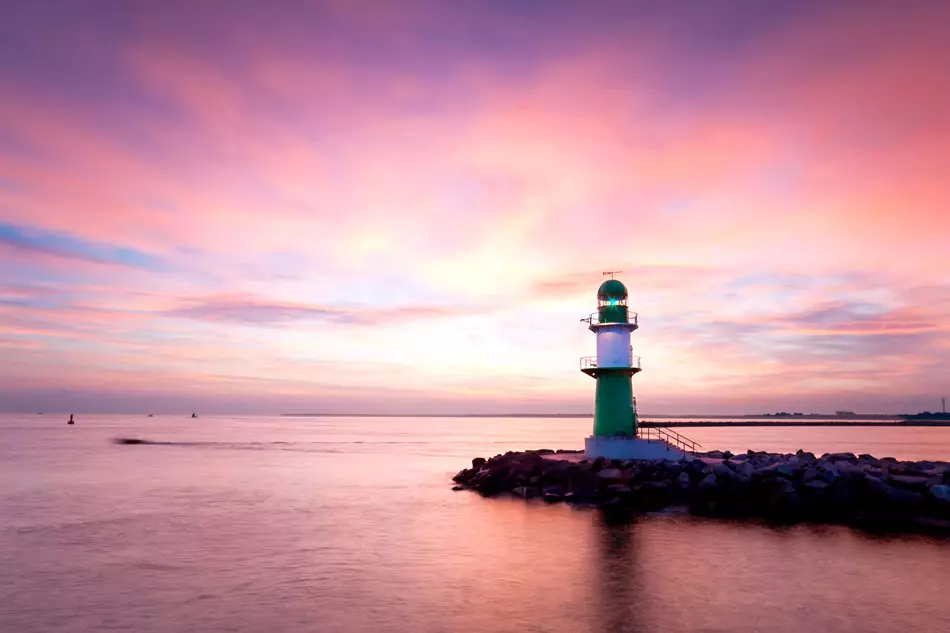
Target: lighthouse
[(615, 408)]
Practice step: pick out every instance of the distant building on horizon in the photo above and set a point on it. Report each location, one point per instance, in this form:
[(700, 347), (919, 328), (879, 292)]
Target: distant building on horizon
[(845, 413)]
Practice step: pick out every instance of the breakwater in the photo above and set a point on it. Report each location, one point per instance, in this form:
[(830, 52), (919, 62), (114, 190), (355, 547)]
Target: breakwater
[(858, 490), (789, 423)]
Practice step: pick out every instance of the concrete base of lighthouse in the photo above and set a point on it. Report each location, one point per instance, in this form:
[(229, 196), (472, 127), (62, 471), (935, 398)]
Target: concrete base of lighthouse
[(630, 448)]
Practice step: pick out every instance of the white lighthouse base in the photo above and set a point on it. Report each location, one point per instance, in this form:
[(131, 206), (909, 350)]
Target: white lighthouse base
[(630, 448)]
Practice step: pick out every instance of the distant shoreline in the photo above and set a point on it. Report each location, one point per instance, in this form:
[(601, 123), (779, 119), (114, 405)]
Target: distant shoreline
[(790, 419)]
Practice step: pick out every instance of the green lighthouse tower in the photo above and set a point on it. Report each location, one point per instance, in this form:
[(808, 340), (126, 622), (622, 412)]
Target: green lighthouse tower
[(615, 408), (615, 413)]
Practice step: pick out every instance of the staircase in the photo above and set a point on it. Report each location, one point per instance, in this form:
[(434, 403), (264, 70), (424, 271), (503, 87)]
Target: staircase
[(657, 433)]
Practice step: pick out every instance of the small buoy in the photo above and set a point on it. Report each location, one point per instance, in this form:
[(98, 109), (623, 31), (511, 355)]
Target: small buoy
[(70, 419)]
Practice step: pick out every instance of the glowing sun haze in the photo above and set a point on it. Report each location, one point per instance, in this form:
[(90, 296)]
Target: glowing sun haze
[(407, 206)]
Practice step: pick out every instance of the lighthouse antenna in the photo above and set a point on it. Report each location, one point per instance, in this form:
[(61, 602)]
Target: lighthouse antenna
[(612, 273)]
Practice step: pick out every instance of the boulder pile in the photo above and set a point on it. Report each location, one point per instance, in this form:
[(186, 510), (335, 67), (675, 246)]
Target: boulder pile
[(861, 490)]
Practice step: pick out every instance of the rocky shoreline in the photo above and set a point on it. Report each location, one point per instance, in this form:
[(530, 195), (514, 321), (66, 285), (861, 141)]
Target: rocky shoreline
[(861, 491)]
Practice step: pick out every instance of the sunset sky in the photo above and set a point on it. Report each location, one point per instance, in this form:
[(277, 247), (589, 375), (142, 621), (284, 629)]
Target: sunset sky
[(406, 206)]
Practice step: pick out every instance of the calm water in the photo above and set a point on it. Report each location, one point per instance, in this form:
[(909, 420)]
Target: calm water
[(350, 525)]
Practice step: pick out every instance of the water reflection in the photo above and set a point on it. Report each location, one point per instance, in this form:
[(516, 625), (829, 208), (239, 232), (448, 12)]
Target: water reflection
[(618, 577)]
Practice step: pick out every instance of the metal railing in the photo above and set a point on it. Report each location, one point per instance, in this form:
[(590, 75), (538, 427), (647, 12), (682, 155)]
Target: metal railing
[(594, 319), (668, 435), (590, 362)]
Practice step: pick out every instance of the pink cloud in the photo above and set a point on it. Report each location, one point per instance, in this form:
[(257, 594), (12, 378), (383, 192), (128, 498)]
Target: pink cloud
[(287, 181)]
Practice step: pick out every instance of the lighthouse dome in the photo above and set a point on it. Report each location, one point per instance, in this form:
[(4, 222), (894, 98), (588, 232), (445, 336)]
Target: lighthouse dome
[(612, 289)]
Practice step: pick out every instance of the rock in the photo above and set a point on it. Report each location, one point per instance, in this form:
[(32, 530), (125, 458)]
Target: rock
[(683, 480), (525, 492), (655, 494), (740, 481), (839, 467), (804, 457), (840, 457), (778, 470), (931, 525), (477, 462), (909, 482), (610, 504), (908, 470), (904, 500), (722, 472), (581, 496), (458, 487), (816, 485), (618, 490), (745, 469), (555, 472), (708, 484), (610, 474), (492, 481), (842, 498), (696, 465), (784, 503), (941, 493), (811, 473), (582, 479)]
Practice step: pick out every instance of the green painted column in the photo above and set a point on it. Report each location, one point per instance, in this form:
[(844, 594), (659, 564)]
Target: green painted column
[(613, 406)]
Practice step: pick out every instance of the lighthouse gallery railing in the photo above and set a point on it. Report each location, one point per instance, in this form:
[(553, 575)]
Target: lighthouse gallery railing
[(594, 318), (590, 362)]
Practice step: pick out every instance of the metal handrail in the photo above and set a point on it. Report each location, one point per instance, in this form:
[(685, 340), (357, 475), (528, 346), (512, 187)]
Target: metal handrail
[(670, 436), (594, 318), (590, 362)]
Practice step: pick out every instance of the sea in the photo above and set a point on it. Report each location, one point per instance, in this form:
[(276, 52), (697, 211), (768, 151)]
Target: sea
[(350, 525)]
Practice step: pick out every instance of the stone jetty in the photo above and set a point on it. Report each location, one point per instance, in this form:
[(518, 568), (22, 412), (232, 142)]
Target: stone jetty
[(857, 490)]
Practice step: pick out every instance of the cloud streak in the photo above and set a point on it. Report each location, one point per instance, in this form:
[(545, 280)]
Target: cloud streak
[(31, 241), (250, 310)]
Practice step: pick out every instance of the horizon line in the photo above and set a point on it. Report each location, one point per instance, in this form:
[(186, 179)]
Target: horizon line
[(567, 415)]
